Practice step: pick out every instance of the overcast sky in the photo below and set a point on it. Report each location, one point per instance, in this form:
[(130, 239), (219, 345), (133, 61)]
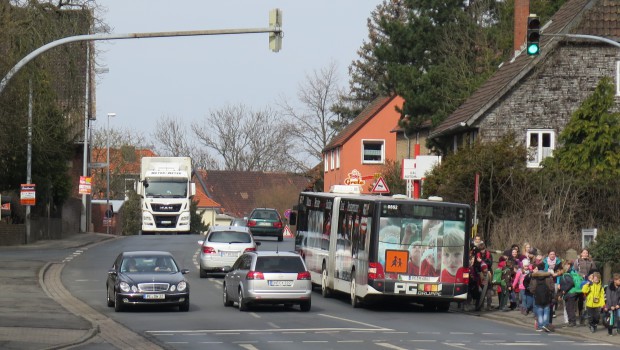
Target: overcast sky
[(186, 77)]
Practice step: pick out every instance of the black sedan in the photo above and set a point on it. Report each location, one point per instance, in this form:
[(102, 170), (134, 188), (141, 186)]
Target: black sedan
[(147, 278)]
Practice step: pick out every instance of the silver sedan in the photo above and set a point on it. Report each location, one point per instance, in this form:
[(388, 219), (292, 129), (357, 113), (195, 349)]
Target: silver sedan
[(268, 277), (222, 246)]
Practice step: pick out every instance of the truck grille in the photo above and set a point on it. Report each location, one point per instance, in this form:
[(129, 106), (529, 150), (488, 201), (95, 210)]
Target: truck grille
[(153, 287), (166, 208), (169, 221)]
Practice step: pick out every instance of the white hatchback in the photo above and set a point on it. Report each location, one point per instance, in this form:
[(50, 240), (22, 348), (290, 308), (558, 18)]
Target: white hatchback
[(222, 246)]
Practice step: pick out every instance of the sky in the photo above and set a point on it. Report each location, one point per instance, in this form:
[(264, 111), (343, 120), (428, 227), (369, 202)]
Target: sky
[(187, 77)]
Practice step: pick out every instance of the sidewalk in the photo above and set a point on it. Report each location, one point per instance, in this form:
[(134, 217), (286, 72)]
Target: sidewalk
[(39, 313), (515, 317)]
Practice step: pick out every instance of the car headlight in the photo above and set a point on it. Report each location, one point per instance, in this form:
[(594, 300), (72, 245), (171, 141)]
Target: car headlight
[(182, 286), (173, 288), (124, 287)]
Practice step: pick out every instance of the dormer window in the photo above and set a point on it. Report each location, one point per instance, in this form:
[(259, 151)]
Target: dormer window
[(540, 144)]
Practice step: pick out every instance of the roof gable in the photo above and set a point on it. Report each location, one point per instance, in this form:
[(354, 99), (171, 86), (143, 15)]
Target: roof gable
[(356, 124), (510, 73)]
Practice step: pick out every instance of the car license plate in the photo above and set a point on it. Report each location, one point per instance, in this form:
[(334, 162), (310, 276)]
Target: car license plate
[(154, 296), (264, 224), (167, 222), (280, 283), (229, 254)]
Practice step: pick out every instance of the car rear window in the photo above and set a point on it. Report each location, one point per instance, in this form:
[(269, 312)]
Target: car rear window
[(265, 215), (279, 264), (229, 237)]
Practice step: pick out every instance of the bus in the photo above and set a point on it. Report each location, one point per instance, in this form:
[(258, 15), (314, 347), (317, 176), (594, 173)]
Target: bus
[(375, 247)]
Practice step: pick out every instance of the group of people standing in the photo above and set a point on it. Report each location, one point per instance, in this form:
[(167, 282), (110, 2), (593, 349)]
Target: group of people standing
[(534, 283)]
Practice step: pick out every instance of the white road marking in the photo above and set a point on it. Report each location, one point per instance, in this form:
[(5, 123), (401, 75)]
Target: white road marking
[(350, 341), (391, 346), (279, 341), (248, 346), (259, 331), (273, 325), (255, 315), (457, 345), (520, 344), (357, 322), (314, 341), (462, 333)]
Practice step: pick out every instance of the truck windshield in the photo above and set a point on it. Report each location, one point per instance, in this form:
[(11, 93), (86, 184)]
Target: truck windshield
[(170, 189)]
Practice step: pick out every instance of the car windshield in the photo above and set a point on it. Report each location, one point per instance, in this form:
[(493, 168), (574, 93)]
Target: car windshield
[(279, 264), (229, 237), (265, 215), (149, 264)]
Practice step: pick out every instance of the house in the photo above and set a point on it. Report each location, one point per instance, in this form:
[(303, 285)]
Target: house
[(534, 96), (238, 192), (366, 144), (210, 210)]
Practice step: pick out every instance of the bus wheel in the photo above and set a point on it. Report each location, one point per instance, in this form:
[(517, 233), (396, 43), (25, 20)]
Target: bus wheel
[(354, 300), (324, 289)]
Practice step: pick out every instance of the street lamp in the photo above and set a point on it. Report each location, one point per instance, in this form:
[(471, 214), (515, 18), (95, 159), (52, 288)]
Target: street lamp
[(107, 142)]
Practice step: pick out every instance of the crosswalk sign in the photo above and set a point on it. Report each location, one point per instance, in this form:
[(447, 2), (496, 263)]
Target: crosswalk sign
[(380, 186)]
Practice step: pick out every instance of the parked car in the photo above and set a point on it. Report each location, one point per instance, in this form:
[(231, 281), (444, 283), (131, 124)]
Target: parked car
[(147, 278), (268, 277), (266, 222), (222, 246)]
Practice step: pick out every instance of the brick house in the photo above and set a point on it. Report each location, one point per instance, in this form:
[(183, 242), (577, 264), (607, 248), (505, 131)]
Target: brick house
[(534, 96), (366, 144)]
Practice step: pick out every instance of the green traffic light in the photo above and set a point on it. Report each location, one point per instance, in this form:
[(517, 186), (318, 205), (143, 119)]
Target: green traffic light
[(533, 49)]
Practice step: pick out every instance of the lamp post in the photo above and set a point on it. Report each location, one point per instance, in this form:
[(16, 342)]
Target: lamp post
[(107, 141)]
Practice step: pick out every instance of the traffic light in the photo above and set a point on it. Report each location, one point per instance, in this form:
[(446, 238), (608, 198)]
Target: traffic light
[(533, 35), (275, 22)]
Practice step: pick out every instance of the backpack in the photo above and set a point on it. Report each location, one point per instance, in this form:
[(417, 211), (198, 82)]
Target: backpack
[(497, 277), (566, 283), (542, 293)]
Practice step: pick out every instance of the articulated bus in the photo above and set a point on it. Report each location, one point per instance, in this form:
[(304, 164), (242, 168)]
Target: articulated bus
[(374, 247)]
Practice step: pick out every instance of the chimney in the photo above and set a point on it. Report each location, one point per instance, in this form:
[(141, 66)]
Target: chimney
[(522, 12)]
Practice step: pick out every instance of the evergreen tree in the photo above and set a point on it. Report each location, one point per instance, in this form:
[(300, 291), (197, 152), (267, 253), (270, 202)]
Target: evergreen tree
[(589, 144)]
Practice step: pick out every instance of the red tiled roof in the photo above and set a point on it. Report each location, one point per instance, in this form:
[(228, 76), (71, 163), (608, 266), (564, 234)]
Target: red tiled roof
[(99, 155), (368, 113), (510, 73), (236, 191), (203, 200)]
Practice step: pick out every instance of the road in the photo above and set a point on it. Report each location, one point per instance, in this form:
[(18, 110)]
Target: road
[(331, 324)]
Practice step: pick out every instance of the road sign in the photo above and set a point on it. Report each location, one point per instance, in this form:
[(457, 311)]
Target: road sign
[(98, 165), (287, 232), (380, 186), (28, 194)]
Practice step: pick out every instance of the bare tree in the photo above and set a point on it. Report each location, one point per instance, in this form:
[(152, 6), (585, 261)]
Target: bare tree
[(311, 124), (247, 140), (172, 136)]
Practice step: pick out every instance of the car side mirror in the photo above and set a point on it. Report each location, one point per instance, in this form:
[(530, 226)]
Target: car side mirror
[(112, 272), (184, 271)]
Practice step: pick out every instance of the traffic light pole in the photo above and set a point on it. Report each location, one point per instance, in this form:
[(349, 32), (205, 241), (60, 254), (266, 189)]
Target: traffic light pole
[(93, 37)]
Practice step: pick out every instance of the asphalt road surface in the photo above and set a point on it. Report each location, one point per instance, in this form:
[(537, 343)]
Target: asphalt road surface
[(331, 324)]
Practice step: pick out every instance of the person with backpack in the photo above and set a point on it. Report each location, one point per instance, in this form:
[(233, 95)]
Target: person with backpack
[(612, 304), (483, 255), (571, 297), (541, 286), (584, 265), (523, 281), (486, 286), (595, 299)]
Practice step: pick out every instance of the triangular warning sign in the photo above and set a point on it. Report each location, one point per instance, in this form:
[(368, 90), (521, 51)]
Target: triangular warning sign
[(287, 232), (380, 186)]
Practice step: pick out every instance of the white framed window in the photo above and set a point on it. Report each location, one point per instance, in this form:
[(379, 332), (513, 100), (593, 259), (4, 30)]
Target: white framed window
[(325, 163), (373, 151), (338, 158), (333, 160), (540, 144)]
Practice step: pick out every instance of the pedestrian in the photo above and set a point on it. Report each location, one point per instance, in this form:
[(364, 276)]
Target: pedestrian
[(506, 285), (612, 304), (486, 287), (551, 261), (483, 255), (595, 299), (541, 286), (584, 265), (527, 298), (572, 295), (473, 297)]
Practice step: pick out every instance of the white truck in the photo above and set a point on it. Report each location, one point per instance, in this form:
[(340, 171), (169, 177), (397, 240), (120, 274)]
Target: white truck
[(166, 192)]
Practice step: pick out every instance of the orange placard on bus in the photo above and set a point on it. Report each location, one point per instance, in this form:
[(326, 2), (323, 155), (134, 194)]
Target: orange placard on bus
[(396, 261)]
